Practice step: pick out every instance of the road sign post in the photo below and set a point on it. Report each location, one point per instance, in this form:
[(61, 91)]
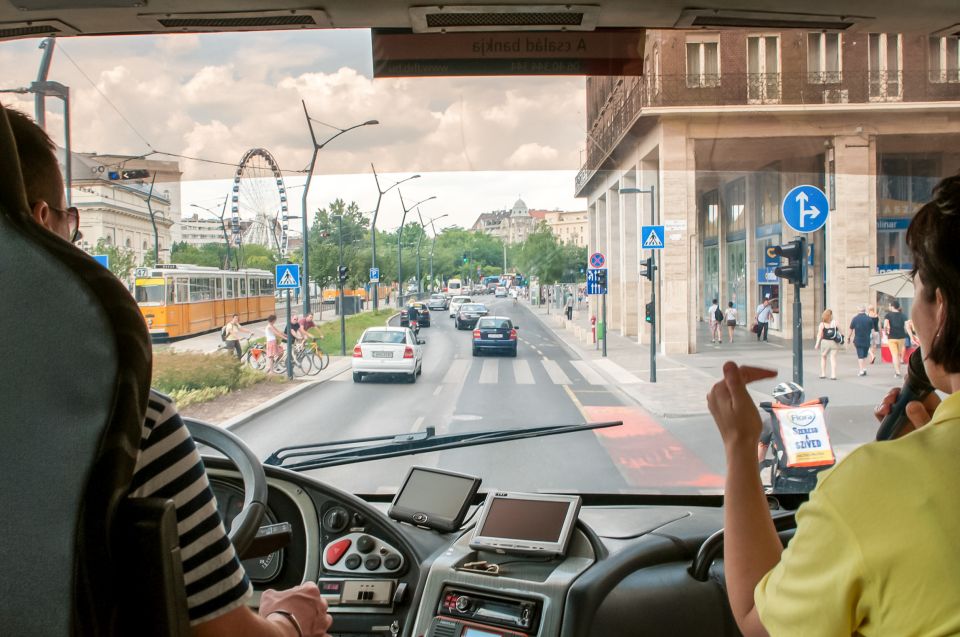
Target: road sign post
[(597, 284), (652, 238), (288, 278)]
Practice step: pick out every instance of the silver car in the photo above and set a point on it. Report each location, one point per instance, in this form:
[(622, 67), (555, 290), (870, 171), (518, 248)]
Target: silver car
[(456, 302), (387, 350)]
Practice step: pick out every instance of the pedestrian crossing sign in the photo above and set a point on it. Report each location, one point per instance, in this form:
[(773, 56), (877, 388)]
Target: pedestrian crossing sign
[(652, 237), (288, 276)]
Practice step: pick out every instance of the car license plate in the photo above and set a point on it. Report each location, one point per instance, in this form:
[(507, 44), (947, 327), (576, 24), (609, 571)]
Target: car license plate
[(383, 354), (494, 335)]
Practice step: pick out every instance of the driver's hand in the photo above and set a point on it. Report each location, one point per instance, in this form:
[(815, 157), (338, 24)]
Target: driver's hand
[(304, 603), (918, 413), (732, 407)]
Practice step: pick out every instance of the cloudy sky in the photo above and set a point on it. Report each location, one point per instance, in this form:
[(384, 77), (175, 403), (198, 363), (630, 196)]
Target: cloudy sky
[(478, 143)]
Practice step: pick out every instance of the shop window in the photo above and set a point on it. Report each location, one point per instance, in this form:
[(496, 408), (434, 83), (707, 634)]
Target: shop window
[(735, 202), (710, 214), (768, 195), (905, 183)]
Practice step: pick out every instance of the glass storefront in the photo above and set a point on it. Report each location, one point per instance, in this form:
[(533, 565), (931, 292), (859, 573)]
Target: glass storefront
[(737, 279), (711, 275)]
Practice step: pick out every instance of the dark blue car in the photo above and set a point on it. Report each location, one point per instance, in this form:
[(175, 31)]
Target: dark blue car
[(495, 334)]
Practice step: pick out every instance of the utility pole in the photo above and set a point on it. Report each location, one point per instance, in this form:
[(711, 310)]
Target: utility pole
[(153, 220), (373, 229), (403, 221), (341, 276)]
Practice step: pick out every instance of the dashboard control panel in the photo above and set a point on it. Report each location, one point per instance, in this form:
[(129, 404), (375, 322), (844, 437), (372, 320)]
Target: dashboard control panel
[(361, 553), (461, 607)]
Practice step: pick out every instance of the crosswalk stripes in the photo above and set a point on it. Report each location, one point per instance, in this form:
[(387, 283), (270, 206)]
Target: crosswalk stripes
[(488, 375), (522, 372), (589, 373), (619, 374), (457, 373), (555, 373)]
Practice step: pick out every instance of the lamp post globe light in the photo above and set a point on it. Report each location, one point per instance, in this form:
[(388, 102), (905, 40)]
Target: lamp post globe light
[(403, 221), (373, 229), (305, 280)]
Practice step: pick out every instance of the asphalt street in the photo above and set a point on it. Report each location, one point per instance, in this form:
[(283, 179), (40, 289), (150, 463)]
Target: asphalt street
[(547, 384)]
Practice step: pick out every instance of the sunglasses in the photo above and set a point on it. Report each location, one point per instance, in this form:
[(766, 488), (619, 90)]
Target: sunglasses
[(73, 215)]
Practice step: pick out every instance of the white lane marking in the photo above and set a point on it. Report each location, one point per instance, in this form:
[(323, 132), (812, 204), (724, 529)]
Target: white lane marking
[(619, 374), (436, 392), (555, 373), (457, 372), (522, 372), (488, 375), (416, 424), (589, 374)]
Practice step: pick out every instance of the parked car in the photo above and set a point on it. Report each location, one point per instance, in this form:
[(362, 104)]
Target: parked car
[(423, 310), (495, 334), (456, 302), (500, 292), (437, 302), (387, 350), (469, 314)]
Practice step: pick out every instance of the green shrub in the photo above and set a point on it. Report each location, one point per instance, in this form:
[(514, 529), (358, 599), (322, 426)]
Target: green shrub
[(188, 370)]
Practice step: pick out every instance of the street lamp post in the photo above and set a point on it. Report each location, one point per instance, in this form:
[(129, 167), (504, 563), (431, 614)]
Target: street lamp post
[(403, 220), (223, 226), (340, 278), (653, 282), (373, 230), (305, 282), (433, 243)]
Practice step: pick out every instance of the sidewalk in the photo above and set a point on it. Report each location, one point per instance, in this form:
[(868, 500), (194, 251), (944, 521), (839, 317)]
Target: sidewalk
[(684, 380)]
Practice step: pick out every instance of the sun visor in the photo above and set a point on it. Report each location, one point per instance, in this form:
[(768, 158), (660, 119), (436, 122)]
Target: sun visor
[(402, 53)]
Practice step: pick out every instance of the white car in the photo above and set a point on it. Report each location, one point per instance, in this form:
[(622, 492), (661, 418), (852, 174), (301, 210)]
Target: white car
[(456, 302), (500, 292), (387, 350)]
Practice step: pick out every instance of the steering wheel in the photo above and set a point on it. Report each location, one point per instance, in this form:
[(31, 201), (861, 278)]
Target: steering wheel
[(247, 522)]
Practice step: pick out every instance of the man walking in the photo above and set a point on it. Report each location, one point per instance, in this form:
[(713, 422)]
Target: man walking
[(714, 319), (569, 307), (861, 328), (764, 312), (894, 324)]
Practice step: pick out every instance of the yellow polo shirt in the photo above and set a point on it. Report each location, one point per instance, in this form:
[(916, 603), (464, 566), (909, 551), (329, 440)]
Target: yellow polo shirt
[(877, 548)]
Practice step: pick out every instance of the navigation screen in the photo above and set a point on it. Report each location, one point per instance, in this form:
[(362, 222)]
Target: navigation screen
[(437, 494), (531, 520)]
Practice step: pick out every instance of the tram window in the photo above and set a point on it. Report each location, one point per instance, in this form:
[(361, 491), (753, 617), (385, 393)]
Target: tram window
[(243, 288), (183, 290), (254, 287), (171, 287), (218, 289), (266, 287), (199, 290), (149, 291), (229, 287)]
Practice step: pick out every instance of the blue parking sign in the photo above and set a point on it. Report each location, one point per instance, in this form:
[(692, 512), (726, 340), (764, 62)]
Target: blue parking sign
[(374, 275), (288, 276)]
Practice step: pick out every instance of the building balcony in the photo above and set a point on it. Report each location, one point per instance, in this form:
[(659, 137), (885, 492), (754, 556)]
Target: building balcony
[(630, 97)]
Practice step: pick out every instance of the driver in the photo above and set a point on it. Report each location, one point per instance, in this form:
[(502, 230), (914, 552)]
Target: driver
[(875, 547), (169, 466)]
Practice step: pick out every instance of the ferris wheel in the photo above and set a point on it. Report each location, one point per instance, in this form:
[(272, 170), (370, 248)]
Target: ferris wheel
[(260, 200)]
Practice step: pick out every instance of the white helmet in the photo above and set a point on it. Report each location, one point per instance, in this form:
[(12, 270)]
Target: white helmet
[(788, 394)]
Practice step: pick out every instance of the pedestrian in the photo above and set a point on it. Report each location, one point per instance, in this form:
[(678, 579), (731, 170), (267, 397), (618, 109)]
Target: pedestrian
[(271, 333), (894, 326), (231, 335), (569, 306), (827, 343), (875, 332), (714, 319), (764, 312), (861, 333), (731, 317)]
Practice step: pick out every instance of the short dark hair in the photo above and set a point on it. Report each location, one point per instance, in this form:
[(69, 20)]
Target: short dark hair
[(932, 237), (714, 300), (271, 318), (38, 159), (895, 304), (729, 303)]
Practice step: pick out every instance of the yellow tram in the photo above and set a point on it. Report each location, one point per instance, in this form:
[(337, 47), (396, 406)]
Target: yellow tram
[(183, 300)]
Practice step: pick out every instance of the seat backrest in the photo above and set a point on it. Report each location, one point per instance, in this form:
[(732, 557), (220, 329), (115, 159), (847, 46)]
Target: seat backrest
[(76, 379)]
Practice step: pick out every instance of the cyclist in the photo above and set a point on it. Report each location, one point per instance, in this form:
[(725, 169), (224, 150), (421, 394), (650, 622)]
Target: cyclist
[(271, 333), (231, 332)]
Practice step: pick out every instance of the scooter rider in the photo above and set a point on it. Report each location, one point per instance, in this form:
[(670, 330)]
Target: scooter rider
[(790, 394), (413, 318)]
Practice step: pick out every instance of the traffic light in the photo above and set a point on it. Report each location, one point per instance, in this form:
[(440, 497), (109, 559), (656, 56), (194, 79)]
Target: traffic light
[(647, 268), (602, 278), (119, 175), (795, 270), (342, 273), (582, 270), (464, 258), (649, 312)]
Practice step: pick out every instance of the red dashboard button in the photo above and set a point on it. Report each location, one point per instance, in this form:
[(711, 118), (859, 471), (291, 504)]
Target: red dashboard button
[(336, 550)]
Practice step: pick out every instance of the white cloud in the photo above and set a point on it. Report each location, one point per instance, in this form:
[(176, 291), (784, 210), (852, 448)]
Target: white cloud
[(531, 155)]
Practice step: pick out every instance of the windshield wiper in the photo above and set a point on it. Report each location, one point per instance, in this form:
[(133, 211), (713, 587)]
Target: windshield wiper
[(341, 452)]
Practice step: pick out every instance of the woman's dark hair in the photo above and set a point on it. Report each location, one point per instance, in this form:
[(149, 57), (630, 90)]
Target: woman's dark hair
[(932, 239), (271, 318), (729, 303)]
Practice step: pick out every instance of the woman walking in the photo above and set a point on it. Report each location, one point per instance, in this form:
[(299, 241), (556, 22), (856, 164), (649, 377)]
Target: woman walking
[(731, 318), (827, 344), (874, 333)]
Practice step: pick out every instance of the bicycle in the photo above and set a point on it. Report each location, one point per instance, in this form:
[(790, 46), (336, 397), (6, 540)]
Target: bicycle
[(304, 360), (255, 355), (319, 359)]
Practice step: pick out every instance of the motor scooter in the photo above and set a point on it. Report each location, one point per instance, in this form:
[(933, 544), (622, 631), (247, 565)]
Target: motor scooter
[(798, 443)]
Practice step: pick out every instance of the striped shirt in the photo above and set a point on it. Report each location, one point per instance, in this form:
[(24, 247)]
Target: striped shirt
[(169, 466)]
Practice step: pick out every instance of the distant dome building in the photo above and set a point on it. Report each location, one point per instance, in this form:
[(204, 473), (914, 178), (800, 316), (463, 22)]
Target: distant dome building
[(513, 225), (519, 209)]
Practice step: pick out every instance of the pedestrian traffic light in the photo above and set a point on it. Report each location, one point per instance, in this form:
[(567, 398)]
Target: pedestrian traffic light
[(649, 312), (795, 270), (342, 272), (647, 268), (582, 270)]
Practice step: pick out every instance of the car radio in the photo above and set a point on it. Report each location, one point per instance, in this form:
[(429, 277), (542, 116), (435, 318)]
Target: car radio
[(460, 610)]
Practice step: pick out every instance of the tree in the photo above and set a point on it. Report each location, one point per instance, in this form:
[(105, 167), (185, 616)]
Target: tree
[(121, 261)]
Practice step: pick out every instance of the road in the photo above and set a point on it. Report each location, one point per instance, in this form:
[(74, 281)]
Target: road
[(547, 384)]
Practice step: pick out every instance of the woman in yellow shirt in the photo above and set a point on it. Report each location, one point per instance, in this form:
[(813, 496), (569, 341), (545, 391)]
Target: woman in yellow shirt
[(876, 550)]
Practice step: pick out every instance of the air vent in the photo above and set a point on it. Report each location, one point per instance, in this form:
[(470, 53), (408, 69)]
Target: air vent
[(34, 29), (732, 18), (238, 20), (440, 19)]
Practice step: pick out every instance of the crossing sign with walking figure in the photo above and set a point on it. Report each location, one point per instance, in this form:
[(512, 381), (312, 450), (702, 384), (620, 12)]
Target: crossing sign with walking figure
[(288, 276), (653, 237)]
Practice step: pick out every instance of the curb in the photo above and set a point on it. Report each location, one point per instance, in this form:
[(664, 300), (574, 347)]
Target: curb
[(250, 414)]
